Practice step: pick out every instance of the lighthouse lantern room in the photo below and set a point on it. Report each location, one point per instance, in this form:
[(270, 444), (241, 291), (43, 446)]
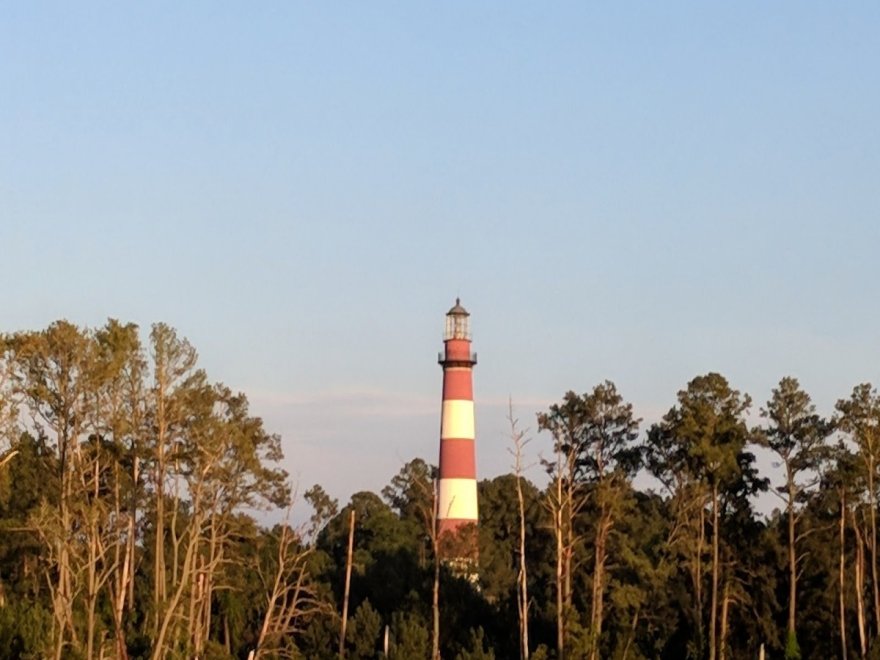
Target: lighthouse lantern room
[(457, 325)]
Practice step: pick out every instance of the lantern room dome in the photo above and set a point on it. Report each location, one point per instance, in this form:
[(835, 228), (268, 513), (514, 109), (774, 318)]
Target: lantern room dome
[(457, 310)]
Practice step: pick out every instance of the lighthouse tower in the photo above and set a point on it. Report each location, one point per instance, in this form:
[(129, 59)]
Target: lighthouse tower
[(457, 487)]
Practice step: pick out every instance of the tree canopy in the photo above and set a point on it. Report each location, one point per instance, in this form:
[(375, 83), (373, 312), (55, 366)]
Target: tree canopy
[(132, 489)]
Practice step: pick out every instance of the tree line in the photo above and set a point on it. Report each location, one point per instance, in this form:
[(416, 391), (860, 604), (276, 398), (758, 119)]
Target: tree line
[(133, 491)]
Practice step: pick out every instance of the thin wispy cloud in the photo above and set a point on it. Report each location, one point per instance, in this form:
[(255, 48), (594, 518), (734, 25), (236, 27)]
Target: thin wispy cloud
[(357, 438), (352, 402)]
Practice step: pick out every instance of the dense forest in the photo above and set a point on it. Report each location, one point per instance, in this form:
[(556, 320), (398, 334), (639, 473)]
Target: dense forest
[(134, 495)]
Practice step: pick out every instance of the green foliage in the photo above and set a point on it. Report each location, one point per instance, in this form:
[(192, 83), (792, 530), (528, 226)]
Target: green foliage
[(541, 653), (792, 650), (701, 438), (25, 629), (362, 634), (214, 650), (499, 533), (410, 637), (795, 432), (319, 640), (324, 508), (599, 429), (476, 649), (409, 492)]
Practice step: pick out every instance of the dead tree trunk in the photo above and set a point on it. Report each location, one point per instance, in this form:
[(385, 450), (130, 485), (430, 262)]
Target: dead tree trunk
[(344, 624)]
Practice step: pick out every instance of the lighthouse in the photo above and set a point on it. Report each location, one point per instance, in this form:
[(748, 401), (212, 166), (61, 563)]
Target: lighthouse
[(457, 486)]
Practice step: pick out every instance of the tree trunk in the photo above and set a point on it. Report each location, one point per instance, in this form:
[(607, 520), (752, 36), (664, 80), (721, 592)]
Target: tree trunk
[(560, 587), (523, 579), (602, 532), (435, 594), (725, 613), (713, 608), (569, 547), (872, 500), (195, 599), (347, 586), (227, 642), (792, 555), (859, 567), (435, 608), (123, 570), (215, 558), (159, 579), (698, 572), (64, 598), (842, 575), (92, 531), (90, 614), (189, 570), (132, 522), (632, 635), (284, 602)]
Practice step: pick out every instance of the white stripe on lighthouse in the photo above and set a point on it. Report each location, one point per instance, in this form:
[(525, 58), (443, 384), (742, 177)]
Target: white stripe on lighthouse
[(458, 499), (458, 419)]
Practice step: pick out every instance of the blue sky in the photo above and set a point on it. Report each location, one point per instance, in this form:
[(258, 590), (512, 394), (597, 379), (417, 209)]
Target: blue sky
[(635, 191)]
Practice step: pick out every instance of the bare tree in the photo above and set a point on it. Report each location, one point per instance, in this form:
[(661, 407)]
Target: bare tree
[(347, 584), (519, 440), (291, 597), (841, 571), (564, 501), (429, 518), (221, 460)]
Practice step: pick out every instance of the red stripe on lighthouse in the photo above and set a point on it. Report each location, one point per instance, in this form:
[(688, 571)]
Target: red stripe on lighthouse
[(458, 383), (457, 459), (458, 349)]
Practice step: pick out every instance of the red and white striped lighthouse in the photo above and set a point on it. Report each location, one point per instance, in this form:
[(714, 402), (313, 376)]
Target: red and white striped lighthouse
[(457, 487)]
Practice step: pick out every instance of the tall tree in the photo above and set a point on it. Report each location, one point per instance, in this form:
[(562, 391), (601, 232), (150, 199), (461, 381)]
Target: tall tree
[(859, 418), (174, 372), (827, 571), (598, 432), (413, 493), (797, 435), (119, 418), (226, 461), (519, 440), (53, 372), (698, 449), (608, 459), (565, 499)]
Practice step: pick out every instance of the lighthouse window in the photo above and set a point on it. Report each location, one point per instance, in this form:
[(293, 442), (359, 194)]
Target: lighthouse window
[(460, 327)]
